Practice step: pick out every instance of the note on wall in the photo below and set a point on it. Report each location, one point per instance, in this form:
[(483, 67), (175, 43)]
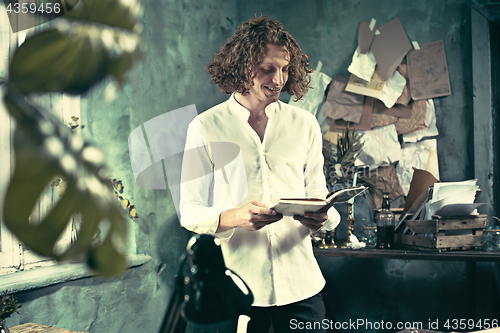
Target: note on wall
[(390, 47), (428, 71)]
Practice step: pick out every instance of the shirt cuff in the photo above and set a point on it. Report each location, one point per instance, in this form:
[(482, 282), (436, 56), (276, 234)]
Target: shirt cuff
[(333, 219), (225, 235), (209, 226)]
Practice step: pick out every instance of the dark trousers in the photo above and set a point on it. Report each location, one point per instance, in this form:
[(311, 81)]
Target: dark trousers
[(302, 316)]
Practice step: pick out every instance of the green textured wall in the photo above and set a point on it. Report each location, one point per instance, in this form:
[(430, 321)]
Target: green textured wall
[(180, 37)]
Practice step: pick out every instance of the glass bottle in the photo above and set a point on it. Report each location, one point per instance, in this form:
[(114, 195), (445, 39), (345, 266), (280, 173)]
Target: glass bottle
[(385, 225)]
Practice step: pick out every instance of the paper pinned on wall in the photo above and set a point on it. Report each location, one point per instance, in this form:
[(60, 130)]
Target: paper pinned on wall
[(365, 122), (362, 65), (366, 33), (416, 121), (388, 91), (430, 121), (420, 155), (314, 97), (405, 97), (393, 88), (341, 104), (428, 71), (402, 111), (380, 147), (372, 88), (390, 47)]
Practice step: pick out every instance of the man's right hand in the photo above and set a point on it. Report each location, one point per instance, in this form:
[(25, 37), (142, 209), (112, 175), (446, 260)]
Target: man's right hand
[(251, 216)]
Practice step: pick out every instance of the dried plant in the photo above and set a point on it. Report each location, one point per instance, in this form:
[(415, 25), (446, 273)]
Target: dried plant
[(349, 145), (339, 165), (8, 305)]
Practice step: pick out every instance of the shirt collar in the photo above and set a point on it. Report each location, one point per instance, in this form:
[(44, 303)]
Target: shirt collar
[(243, 113)]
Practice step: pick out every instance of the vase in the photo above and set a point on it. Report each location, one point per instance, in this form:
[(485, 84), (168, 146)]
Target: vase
[(3, 327)]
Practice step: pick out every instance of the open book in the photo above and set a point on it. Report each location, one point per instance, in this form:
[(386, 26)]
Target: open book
[(298, 206)]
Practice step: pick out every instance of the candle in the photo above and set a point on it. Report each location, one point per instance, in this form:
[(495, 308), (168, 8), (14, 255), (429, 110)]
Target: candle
[(354, 180)]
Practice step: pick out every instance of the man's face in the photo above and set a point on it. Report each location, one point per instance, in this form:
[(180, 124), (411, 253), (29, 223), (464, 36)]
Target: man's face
[(270, 74)]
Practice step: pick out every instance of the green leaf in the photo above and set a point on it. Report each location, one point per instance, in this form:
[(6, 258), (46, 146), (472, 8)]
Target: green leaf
[(94, 40), (44, 149)]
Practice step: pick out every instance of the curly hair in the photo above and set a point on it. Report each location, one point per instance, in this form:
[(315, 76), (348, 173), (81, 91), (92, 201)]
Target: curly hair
[(231, 68)]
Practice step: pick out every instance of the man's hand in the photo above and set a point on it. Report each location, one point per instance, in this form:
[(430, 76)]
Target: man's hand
[(315, 221), (252, 216)]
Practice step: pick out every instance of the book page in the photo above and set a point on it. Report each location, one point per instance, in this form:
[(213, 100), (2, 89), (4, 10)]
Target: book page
[(346, 194)]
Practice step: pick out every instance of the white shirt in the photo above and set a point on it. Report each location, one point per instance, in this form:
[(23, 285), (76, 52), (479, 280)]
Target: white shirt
[(226, 165)]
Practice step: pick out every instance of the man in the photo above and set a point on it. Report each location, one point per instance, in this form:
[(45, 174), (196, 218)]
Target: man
[(248, 152)]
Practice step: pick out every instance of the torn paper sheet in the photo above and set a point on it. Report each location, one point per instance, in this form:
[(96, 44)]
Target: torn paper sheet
[(372, 88), (362, 65), (380, 147), (398, 110), (405, 95), (417, 119), (421, 155), (381, 120), (365, 122), (366, 33), (430, 121), (388, 91), (428, 71), (390, 47), (393, 88), (341, 104), (313, 98)]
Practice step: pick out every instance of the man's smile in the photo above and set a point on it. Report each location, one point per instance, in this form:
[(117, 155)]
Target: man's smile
[(273, 90)]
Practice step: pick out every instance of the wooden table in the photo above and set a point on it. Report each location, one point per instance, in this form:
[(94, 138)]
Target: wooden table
[(38, 328), (402, 253), (482, 265)]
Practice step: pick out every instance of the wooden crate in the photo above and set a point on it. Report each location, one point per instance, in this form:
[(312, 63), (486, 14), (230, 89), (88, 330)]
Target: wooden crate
[(440, 241)]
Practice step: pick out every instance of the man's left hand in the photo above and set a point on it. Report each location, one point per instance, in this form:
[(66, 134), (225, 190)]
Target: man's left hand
[(315, 221)]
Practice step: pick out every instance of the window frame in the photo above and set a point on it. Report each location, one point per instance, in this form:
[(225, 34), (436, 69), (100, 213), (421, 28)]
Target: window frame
[(14, 256)]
